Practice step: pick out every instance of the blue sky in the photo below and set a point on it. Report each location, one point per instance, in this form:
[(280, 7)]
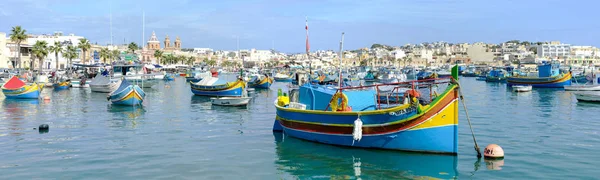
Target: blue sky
[(259, 23)]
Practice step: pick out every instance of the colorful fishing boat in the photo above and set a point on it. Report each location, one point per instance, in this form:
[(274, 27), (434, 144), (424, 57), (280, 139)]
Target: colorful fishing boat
[(211, 86), (370, 77), (549, 76), (127, 94), (62, 85), (496, 75), (281, 77), (263, 82), (169, 77), (14, 88), (360, 121)]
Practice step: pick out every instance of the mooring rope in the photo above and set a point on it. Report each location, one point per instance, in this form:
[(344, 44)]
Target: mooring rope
[(469, 120)]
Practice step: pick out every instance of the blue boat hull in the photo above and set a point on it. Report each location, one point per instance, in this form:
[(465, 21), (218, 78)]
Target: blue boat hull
[(283, 79), (551, 82), (58, 88), (233, 92), (261, 86), (30, 95), (423, 140), (130, 96)]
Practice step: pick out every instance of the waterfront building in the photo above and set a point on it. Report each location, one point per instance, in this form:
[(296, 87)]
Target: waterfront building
[(478, 52), (4, 52), (66, 40), (554, 50), (13, 52), (584, 52)]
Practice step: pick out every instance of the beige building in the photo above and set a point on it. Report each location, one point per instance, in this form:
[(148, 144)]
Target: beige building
[(479, 52)]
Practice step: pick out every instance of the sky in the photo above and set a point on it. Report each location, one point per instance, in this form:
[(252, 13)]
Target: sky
[(264, 24)]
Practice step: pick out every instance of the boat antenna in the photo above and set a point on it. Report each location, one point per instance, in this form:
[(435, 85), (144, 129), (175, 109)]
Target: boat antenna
[(308, 53), (341, 57)]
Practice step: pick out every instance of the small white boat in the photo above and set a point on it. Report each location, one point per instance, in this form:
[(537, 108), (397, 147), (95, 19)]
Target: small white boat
[(103, 84), (587, 96), (230, 101), (520, 88)]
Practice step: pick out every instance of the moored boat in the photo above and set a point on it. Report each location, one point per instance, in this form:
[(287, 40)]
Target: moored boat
[(211, 86), (14, 88), (62, 85), (588, 96), (127, 94), (585, 87), (281, 77), (103, 84), (360, 121), (230, 101), (549, 76), (261, 82)]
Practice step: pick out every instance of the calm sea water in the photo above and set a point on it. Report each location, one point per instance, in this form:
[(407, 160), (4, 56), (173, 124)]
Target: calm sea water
[(546, 134)]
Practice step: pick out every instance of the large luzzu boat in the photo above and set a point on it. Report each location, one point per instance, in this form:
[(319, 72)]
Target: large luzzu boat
[(14, 88), (360, 120), (549, 76), (211, 86)]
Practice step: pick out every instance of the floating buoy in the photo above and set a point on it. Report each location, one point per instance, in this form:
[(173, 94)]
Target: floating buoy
[(44, 128), (493, 151), (46, 98), (167, 86)]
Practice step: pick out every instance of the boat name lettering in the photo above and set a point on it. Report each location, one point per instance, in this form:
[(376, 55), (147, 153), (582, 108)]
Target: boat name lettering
[(404, 111)]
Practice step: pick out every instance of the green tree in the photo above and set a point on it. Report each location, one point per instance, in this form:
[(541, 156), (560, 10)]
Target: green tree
[(158, 54), (85, 45), (211, 63), (132, 47), (57, 48), (534, 49), (70, 53), (18, 35), (115, 54), (231, 54), (191, 60), (105, 54), (40, 51)]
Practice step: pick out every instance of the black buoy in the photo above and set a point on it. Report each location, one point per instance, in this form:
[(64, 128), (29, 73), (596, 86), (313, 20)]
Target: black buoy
[(44, 128)]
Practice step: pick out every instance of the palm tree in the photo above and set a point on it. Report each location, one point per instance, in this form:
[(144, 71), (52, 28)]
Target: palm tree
[(158, 54), (115, 54), (105, 54), (211, 63), (132, 47), (70, 53), (191, 60), (181, 59), (18, 35), (57, 48), (40, 50), (84, 44)]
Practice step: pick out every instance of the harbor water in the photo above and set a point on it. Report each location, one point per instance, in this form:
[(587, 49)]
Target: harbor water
[(546, 134)]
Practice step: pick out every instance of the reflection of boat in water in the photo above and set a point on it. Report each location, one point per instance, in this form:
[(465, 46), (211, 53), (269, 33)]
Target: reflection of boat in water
[(306, 160)]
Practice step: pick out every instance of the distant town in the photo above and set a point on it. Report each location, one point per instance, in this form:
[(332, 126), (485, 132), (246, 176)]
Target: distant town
[(166, 52)]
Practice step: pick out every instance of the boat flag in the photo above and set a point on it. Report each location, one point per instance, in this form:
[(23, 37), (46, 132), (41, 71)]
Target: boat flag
[(307, 44), (455, 72)]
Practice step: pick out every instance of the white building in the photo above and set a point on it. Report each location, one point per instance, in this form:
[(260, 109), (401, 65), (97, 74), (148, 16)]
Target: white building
[(398, 54), (584, 51), (4, 52), (50, 60), (203, 51), (554, 50), (260, 55)]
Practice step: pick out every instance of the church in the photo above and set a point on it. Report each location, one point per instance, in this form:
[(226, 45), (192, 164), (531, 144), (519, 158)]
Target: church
[(153, 44)]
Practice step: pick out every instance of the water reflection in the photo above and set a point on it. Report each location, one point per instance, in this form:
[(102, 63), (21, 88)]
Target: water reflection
[(15, 113), (306, 160), (124, 114)]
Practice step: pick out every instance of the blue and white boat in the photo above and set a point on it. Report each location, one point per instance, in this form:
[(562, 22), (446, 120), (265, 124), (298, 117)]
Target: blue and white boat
[(211, 86), (549, 76), (127, 94)]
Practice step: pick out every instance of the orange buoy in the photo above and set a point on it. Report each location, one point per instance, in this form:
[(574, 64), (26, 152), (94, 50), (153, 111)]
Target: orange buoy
[(493, 151), (413, 93), (46, 98)]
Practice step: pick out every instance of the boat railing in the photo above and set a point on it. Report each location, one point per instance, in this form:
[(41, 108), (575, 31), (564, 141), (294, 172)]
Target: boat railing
[(415, 84)]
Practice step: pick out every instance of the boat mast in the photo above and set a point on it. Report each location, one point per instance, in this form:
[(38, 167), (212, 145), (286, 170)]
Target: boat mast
[(308, 53), (143, 27), (110, 26), (341, 57)]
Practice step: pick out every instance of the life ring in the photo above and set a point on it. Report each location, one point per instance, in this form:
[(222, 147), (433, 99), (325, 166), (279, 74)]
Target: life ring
[(334, 102)]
